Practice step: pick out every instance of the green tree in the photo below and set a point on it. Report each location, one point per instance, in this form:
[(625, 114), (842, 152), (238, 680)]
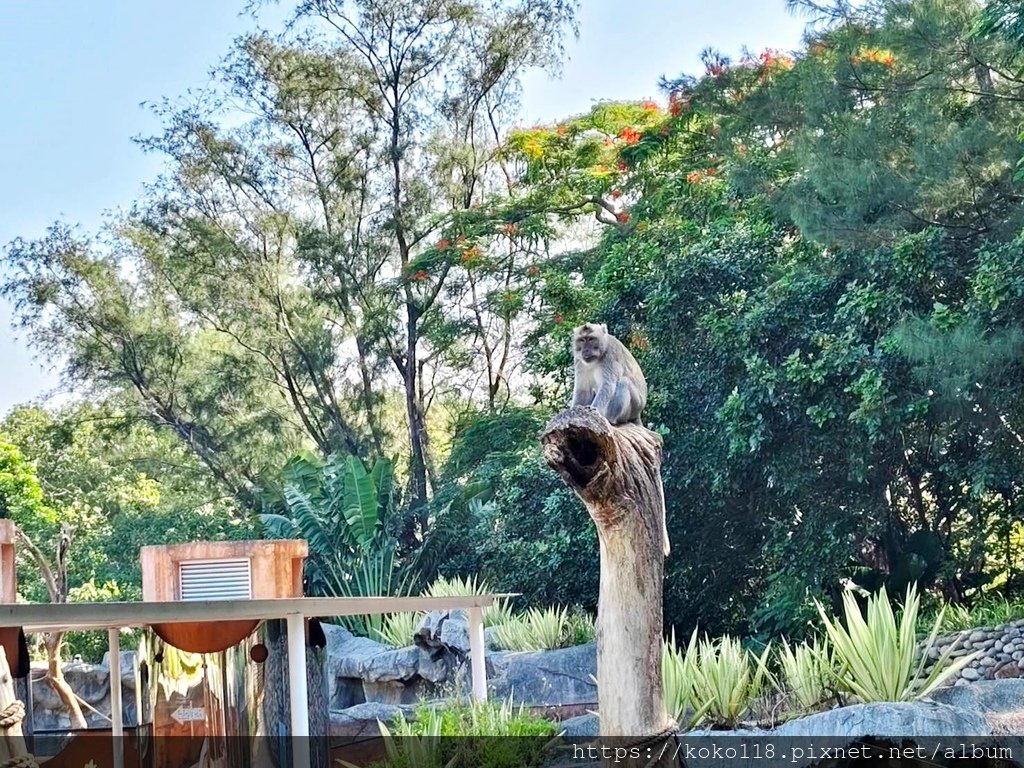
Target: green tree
[(294, 268)]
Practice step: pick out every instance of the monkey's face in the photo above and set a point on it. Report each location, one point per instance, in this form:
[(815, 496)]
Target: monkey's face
[(589, 346)]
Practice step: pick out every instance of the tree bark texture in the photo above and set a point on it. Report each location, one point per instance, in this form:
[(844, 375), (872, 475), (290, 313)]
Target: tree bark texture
[(616, 471)]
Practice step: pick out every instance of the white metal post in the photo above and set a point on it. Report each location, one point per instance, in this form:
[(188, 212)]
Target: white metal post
[(476, 653), (298, 695), (116, 717)]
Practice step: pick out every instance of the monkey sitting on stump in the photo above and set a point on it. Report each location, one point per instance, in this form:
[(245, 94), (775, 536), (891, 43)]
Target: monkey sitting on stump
[(608, 377)]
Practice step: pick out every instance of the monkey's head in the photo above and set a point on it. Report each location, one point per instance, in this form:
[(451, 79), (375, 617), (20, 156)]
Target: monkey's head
[(590, 342)]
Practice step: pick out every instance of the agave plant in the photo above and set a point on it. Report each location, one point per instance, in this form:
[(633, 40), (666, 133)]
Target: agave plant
[(397, 629), (806, 672), (879, 657), (728, 678), (420, 744), (678, 677), (498, 613), (534, 630)]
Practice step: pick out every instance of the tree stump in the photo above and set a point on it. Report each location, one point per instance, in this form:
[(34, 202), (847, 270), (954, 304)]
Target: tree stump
[(616, 471)]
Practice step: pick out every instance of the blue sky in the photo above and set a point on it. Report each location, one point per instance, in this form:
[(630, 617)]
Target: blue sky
[(73, 76)]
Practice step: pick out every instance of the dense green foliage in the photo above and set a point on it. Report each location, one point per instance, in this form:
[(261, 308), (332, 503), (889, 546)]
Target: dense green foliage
[(419, 743), (814, 257), (817, 257)]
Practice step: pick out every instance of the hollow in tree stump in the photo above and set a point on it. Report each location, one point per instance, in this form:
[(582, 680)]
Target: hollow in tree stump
[(616, 471)]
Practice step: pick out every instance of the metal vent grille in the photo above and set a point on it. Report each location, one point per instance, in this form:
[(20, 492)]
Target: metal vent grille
[(215, 579)]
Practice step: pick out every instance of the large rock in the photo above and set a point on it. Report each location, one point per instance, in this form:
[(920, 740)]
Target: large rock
[(560, 678), (986, 696), (901, 719), (361, 721), (91, 682), (360, 670), (581, 727), (444, 631)]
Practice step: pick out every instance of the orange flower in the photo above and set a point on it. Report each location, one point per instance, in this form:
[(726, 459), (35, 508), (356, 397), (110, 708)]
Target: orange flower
[(622, 217), (616, 193), (710, 171), (715, 69), (650, 106), (421, 275), (510, 229), (630, 135), (621, 165), (677, 103), (533, 271), (609, 143), (559, 319), (666, 129), (471, 255), (442, 244), (693, 177), (560, 129), (460, 239)]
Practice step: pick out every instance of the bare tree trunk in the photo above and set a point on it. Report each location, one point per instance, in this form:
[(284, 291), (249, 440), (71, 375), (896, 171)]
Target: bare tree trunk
[(55, 674), (616, 471), (56, 580)]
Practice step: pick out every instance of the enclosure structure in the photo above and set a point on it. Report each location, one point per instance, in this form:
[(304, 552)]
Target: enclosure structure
[(219, 570), (294, 611)]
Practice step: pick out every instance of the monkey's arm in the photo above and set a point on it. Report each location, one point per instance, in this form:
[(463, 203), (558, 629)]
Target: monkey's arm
[(580, 396), (605, 395)]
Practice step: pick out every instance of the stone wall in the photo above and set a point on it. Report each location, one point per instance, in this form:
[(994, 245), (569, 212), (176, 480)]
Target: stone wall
[(1000, 652)]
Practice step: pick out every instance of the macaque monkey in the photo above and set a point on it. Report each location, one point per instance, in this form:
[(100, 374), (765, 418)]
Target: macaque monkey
[(608, 377)]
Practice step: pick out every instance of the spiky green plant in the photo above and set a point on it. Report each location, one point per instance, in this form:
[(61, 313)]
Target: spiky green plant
[(806, 672), (494, 615), (418, 744), (580, 629), (678, 677), (728, 678), (879, 657), (534, 630), (397, 629), (421, 743)]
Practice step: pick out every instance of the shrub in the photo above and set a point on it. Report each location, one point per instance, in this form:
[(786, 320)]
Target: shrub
[(496, 614), (728, 679), (879, 658), (534, 630), (422, 743), (580, 628), (678, 682), (806, 672), (397, 629)]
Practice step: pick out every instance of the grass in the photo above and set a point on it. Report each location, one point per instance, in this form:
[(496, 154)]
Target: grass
[(988, 611), (424, 743)]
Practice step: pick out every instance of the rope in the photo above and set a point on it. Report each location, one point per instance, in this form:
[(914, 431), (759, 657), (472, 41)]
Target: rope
[(12, 714), (650, 741)]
